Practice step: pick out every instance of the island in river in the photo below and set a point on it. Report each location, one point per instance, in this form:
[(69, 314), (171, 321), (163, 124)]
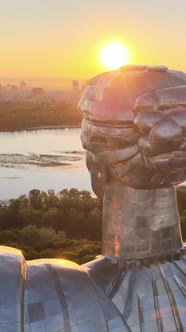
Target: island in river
[(42, 159)]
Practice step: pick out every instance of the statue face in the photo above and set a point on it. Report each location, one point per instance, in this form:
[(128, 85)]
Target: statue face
[(161, 123), (146, 153)]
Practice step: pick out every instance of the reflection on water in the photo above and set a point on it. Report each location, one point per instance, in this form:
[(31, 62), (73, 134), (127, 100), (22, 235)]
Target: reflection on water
[(40, 141), (18, 172)]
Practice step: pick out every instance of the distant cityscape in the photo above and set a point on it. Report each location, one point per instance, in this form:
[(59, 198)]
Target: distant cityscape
[(23, 91)]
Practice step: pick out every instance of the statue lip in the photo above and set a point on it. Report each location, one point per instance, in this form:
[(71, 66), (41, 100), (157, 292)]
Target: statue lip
[(114, 124), (172, 161)]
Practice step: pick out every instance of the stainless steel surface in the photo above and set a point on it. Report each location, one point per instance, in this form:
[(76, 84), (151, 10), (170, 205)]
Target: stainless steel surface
[(149, 299), (139, 223), (134, 131), (54, 295), (134, 164)]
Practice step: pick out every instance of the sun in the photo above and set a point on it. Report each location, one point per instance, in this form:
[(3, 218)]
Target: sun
[(114, 55)]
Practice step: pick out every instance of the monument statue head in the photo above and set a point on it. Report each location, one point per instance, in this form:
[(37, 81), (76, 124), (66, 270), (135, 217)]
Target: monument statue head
[(134, 127), (134, 131)]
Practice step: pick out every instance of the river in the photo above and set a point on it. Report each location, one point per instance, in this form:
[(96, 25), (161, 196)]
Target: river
[(41, 159)]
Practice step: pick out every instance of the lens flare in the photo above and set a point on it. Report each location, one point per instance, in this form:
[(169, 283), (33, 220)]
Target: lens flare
[(114, 55)]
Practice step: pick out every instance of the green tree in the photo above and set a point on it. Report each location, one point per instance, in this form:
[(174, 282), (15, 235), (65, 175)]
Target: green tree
[(53, 217), (32, 235), (95, 223), (35, 199), (30, 216), (4, 218), (51, 200), (7, 236)]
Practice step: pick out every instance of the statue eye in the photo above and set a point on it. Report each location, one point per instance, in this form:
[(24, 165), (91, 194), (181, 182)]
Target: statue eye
[(146, 120)]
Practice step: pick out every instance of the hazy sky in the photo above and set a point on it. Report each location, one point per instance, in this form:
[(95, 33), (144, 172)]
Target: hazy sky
[(54, 38)]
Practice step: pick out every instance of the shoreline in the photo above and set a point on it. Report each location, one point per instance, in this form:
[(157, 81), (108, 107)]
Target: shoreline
[(42, 127)]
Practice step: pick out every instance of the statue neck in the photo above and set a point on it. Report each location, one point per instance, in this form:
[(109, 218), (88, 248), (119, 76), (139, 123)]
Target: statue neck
[(139, 223)]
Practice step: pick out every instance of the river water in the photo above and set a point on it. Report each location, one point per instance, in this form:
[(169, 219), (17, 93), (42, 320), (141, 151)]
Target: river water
[(41, 159)]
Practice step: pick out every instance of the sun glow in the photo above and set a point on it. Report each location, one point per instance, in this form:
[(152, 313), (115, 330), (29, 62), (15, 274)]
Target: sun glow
[(114, 55)]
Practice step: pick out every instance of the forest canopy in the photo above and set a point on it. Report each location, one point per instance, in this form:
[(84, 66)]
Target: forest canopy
[(44, 224), (66, 225)]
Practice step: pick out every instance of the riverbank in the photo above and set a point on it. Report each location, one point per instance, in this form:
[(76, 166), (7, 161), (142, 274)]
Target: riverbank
[(54, 127), (42, 128)]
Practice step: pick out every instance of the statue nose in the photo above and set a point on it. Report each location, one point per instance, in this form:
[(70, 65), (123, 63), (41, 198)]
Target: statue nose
[(165, 136)]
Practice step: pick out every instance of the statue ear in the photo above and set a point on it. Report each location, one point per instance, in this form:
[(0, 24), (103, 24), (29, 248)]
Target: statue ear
[(99, 175)]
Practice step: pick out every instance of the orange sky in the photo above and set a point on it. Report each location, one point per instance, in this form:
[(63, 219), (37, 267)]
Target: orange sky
[(63, 38)]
